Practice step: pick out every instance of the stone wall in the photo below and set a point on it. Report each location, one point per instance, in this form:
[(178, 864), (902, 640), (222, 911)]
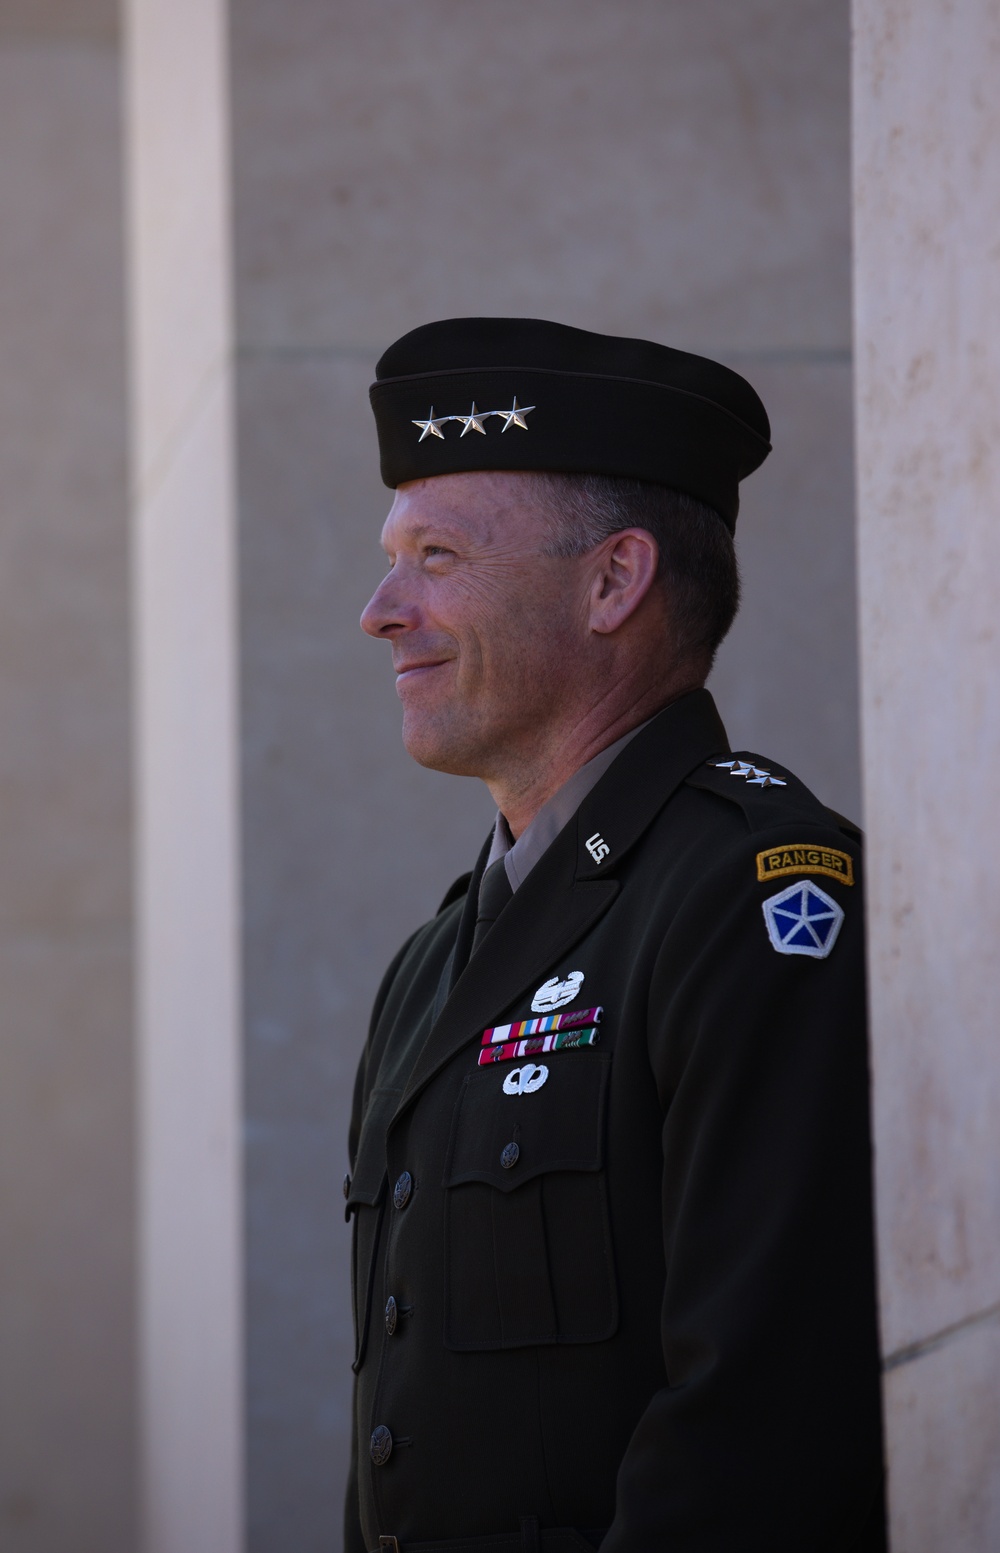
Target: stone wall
[(67, 1189), (927, 156)]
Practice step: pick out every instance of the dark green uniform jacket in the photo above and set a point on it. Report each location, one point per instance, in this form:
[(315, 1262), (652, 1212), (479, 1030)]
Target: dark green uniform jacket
[(650, 1324)]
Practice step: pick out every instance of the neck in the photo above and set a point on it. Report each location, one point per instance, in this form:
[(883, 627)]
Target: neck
[(528, 783)]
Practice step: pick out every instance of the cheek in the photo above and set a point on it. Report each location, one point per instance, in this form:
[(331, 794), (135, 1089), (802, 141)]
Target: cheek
[(517, 627), (529, 648)]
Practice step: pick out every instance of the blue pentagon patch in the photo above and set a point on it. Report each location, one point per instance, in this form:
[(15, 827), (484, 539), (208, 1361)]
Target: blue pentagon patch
[(803, 920)]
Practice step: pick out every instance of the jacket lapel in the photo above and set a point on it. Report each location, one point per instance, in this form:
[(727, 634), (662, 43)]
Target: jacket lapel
[(547, 915), (567, 891)]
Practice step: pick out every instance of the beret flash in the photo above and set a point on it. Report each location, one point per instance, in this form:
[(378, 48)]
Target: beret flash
[(522, 393)]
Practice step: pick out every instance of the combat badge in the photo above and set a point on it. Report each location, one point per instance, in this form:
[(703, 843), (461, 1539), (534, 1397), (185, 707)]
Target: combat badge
[(803, 920), (554, 993)]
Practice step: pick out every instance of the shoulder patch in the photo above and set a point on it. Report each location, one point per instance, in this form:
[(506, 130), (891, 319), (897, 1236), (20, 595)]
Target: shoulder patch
[(803, 919), (805, 858)]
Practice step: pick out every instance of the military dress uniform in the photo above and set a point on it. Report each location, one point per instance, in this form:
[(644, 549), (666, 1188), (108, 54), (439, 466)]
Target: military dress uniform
[(610, 1190), (631, 1305)]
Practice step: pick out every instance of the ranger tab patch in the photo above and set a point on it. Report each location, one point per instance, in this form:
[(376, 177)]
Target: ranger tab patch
[(805, 858)]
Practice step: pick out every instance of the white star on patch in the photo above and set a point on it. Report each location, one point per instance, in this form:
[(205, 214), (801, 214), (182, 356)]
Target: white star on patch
[(803, 920)]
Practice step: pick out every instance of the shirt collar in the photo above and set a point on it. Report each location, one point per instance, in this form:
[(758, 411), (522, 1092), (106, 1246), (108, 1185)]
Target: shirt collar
[(520, 856)]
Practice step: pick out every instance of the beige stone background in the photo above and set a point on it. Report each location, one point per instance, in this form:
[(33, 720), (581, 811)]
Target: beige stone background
[(67, 1177), (214, 217)]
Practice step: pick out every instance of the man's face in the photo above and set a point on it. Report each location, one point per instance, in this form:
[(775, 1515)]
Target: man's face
[(488, 633)]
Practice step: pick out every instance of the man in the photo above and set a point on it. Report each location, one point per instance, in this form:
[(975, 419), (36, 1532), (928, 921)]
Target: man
[(613, 1278)]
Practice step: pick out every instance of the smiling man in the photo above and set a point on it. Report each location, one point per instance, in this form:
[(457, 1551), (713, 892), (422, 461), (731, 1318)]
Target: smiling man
[(610, 1173)]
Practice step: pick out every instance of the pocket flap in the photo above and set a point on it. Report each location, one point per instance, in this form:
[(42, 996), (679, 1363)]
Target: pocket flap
[(370, 1173), (558, 1125)]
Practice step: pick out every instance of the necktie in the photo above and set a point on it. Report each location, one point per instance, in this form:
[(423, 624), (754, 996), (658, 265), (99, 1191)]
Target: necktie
[(494, 893)]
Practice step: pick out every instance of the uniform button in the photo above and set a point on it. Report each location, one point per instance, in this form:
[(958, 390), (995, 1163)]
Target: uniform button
[(347, 1185), (391, 1315), (510, 1155), (381, 1445), (402, 1189)]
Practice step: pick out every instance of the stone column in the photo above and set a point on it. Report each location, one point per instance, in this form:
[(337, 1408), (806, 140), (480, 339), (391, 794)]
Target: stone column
[(187, 788), (927, 190), (67, 1241)]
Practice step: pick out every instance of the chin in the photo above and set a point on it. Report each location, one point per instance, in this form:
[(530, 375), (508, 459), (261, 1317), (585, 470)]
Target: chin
[(439, 748)]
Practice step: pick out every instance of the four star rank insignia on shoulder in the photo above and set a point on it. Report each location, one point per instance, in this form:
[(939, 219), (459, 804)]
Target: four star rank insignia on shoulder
[(755, 776)]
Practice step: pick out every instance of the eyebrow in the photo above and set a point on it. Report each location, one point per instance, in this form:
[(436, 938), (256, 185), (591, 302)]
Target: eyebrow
[(442, 529), (438, 530)]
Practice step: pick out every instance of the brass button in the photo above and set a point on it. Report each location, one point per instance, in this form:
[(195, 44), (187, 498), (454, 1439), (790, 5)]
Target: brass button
[(381, 1445), (510, 1156), (402, 1190), (391, 1315)]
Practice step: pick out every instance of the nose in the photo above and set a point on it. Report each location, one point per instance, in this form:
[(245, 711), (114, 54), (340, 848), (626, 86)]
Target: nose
[(387, 612)]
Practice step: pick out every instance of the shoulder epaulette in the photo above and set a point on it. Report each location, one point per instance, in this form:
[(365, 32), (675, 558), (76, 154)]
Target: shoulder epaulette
[(766, 792)]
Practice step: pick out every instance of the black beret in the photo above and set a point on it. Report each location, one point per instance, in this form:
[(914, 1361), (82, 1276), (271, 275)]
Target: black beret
[(521, 393)]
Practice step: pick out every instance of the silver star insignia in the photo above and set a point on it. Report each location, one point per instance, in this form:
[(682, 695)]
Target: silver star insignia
[(515, 415), (755, 776), (474, 420), (432, 427)]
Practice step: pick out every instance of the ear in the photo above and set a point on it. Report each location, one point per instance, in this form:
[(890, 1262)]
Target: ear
[(625, 570)]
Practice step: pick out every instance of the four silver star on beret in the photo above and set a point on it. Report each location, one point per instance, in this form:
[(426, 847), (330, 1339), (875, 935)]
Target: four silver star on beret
[(515, 416)]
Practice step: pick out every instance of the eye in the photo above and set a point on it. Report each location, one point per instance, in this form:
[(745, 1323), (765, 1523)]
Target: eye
[(432, 551)]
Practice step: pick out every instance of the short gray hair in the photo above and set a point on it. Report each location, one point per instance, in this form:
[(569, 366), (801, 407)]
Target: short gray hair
[(697, 563)]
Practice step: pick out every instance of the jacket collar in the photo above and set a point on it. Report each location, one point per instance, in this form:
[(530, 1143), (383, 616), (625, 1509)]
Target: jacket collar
[(648, 771), (574, 883)]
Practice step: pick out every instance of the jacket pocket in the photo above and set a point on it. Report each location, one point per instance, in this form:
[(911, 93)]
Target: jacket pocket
[(528, 1251), (366, 1203)]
